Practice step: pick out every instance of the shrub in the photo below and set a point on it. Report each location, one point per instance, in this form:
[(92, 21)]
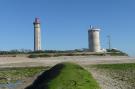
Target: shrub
[(33, 56)]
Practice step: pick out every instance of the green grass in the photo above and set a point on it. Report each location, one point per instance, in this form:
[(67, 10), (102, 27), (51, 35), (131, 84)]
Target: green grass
[(63, 54), (65, 76), (119, 72), (13, 74), (126, 66), (117, 54)]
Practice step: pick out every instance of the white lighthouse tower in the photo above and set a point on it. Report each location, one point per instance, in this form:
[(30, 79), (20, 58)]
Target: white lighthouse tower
[(94, 39), (37, 35)]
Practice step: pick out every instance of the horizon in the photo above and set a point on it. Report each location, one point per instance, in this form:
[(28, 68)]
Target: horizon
[(65, 24)]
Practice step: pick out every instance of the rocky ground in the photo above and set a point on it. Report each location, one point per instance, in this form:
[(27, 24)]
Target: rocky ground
[(105, 82)]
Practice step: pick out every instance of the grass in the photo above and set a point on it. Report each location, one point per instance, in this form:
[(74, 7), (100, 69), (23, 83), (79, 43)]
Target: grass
[(120, 72), (63, 54), (65, 76), (13, 74), (117, 54)]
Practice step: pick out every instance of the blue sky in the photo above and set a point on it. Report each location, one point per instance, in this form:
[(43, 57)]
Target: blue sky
[(65, 23)]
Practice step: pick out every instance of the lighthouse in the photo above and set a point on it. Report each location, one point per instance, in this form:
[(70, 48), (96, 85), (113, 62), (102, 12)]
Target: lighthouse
[(37, 35), (94, 39)]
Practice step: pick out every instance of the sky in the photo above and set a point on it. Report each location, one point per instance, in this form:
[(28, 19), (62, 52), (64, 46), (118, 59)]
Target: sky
[(65, 23)]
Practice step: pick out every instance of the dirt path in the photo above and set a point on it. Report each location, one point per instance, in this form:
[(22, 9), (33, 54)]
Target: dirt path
[(82, 60)]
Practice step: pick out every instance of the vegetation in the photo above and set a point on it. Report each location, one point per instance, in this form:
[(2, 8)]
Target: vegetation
[(39, 55), (56, 53), (15, 51), (120, 72), (25, 51), (116, 52), (63, 54), (65, 76), (13, 74)]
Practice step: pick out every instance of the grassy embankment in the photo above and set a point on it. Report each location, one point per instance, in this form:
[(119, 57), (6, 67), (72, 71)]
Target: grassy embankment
[(13, 74), (64, 54), (65, 76), (120, 72)]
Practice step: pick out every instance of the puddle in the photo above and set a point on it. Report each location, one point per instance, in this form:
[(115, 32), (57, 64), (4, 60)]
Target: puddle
[(10, 85)]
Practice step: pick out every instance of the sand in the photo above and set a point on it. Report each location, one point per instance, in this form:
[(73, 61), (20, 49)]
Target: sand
[(82, 60)]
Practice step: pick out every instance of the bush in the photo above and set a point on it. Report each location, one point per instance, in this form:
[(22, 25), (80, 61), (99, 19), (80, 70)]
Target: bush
[(39, 55), (44, 55), (33, 56)]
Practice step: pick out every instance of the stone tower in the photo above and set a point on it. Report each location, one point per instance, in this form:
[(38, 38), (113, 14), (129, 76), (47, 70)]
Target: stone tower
[(37, 35), (94, 39)]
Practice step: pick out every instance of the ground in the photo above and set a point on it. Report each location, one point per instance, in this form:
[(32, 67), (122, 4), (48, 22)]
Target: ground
[(50, 61), (105, 82)]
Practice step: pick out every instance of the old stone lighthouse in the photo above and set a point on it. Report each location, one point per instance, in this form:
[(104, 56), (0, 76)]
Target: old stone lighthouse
[(37, 35)]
